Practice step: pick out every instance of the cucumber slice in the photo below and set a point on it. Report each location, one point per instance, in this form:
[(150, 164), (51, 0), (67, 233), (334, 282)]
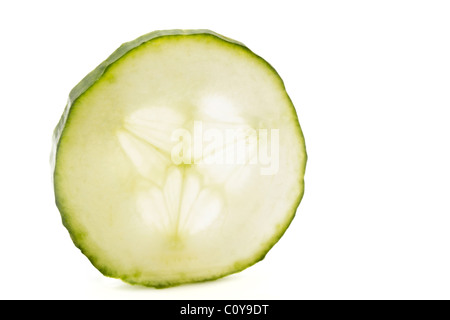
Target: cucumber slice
[(178, 159)]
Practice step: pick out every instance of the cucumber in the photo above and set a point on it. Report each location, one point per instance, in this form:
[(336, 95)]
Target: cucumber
[(179, 159)]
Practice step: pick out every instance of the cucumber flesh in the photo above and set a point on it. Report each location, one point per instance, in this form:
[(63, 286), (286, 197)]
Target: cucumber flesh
[(179, 159)]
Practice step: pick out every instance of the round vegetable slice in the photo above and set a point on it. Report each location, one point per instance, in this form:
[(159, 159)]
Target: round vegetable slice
[(178, 159)]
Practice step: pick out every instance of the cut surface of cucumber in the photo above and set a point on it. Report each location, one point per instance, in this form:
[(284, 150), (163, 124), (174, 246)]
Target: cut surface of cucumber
[(178, 159)]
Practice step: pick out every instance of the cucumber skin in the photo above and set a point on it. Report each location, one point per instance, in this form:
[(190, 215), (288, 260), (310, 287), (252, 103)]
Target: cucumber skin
[(85, 84)]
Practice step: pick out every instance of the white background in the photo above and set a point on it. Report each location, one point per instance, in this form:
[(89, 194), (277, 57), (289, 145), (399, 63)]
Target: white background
[(371, 84)]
